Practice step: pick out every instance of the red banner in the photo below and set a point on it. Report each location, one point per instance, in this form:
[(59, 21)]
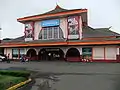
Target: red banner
[(29, 30), (73, 25)]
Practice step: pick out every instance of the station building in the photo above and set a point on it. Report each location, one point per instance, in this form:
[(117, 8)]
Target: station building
[(63, 35)]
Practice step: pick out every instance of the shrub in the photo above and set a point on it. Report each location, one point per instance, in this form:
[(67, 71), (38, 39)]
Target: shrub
[(25, 74)]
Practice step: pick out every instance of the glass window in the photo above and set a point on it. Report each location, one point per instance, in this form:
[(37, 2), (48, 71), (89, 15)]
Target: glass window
[(56, 31), (15, 53), (87, 53), (51, 33), (22, 52), (60, 33), (45, 33)]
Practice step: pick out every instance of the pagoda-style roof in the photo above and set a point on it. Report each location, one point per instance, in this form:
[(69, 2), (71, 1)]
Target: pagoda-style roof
[(56, 12), (91, 36), (98, 32)]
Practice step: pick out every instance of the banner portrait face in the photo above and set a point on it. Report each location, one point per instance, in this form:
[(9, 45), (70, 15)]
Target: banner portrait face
[(29, 30), (73, 25)]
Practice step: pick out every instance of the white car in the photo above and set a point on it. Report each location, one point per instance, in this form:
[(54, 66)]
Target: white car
[(2, 58)]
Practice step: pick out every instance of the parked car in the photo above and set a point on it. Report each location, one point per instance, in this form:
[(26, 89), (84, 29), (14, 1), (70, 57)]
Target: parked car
[(3, 58)]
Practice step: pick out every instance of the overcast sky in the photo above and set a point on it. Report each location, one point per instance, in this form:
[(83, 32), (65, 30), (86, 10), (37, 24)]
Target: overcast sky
[(101, 13)]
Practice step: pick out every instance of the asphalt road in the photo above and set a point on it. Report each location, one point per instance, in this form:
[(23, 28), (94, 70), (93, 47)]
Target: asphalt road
[(74, 76)]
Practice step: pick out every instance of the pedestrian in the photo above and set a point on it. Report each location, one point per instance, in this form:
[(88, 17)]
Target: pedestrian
[(8, 58), (22, 58)]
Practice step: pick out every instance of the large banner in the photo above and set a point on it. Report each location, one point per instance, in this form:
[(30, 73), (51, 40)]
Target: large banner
[(73, 26), (29, 31)]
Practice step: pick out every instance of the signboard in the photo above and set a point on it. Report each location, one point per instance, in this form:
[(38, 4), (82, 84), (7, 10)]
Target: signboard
[(52, 49), (87, 51), (29, 31), (73, 36), (48, 23), (73, 27)]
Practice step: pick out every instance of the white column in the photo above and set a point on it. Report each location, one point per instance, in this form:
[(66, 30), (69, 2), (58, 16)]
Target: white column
[(80, 51), (118, 51)]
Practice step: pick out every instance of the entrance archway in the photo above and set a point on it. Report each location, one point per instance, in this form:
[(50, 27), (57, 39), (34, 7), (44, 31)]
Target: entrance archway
[(31, 53), (51, 54), (73, 55)]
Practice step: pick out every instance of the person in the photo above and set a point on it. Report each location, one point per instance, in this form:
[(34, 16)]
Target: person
[(8, 58), (22, 58)]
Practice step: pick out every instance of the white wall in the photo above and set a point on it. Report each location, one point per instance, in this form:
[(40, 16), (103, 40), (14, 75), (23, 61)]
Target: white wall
[(118, 52), (8, 51), (37, 28), (63, 26), (110, 53), (98, 52)]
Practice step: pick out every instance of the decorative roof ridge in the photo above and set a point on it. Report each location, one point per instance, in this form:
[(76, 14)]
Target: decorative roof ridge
[(101, 28), (58, 7), (88, 27)]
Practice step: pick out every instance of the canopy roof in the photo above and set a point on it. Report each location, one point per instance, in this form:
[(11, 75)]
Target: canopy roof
[(57, 12)]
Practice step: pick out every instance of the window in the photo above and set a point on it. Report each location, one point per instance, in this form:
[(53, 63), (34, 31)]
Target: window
[(87, 53), (15, 53), (22, 52), (45, 33), (51, 33), (60, 33), (56, 31)]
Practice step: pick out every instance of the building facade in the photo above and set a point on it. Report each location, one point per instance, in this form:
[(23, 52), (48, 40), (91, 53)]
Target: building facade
[(63, 35)]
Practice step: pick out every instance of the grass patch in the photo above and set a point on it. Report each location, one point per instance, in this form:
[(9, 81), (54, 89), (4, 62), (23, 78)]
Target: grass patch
[(9, 78), (25, 74), (8, 81)]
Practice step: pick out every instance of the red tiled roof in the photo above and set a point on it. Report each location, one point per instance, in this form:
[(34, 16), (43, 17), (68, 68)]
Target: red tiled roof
[(58, 11)]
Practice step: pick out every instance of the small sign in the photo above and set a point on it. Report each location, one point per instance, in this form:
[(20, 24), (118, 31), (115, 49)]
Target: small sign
[(48, 23), (73, 37), (52, 49), (28, 39)]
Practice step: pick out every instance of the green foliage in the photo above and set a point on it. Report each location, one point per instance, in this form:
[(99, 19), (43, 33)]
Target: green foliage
[(25, 74), (7, 81), (10, 77)]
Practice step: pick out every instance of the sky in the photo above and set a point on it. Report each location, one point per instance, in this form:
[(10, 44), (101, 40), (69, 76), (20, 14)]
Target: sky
[(101, 13)]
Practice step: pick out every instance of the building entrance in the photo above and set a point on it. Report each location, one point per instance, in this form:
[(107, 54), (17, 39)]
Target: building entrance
[(51, 54)]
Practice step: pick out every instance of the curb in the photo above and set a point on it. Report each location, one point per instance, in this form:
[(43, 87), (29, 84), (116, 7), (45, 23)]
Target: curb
[(19, 84)]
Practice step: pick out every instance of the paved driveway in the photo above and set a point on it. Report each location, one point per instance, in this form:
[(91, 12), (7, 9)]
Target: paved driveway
[(76, 76)]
